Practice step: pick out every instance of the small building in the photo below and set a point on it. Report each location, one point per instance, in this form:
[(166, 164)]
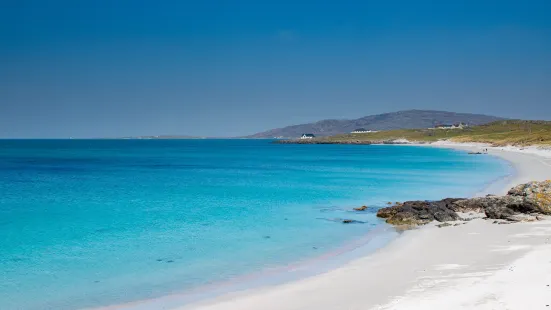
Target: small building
[(363, 130), (448, 126), (307, 136)]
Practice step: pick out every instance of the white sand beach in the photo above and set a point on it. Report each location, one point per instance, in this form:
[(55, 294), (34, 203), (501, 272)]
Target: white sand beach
[(478, 265)]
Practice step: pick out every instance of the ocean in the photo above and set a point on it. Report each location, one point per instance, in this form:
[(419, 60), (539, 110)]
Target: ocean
[(89, 223)]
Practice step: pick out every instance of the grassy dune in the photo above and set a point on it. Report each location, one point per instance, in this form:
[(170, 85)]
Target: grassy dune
[(511, 132)]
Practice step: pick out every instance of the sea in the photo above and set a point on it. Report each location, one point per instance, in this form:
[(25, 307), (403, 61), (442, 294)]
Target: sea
[(92, 223)]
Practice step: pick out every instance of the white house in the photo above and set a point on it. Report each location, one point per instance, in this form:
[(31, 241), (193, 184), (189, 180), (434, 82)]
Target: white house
[(454, 126), (307, 136), (363, 130)]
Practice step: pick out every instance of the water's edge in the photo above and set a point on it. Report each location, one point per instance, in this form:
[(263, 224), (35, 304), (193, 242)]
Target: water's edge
[(368, 244), (373, 241)]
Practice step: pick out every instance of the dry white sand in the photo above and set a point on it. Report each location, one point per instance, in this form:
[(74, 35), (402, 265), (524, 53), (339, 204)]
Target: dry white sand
[(478, 265)]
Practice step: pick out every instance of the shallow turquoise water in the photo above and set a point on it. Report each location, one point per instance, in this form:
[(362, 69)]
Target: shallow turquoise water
[(94, 222)]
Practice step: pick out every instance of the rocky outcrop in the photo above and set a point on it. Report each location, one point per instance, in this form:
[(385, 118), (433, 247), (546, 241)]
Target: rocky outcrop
[(537, 193), (362, 208), (419, 212), (525, 202)]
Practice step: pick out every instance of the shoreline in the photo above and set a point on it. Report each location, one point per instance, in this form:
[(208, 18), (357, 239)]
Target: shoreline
[(397, 277), (524, 168), (362, 246)]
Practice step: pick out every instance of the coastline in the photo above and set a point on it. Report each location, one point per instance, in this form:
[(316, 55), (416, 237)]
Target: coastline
[(477, 255), (529, 164)]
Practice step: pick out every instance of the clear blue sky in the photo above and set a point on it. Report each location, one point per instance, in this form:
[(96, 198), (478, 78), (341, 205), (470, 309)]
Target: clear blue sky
[(224, 68)]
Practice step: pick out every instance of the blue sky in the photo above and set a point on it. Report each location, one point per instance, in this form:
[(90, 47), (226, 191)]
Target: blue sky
[(227, 68)]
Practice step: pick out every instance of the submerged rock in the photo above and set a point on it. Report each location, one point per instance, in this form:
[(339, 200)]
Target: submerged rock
[(348, 221), (362, 208)]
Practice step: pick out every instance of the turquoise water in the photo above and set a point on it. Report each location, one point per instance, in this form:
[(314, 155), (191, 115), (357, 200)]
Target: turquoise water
[(86, 223)]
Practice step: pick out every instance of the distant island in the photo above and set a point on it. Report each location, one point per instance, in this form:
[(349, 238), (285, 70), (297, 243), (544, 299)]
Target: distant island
[(160, 137), (409, 119)]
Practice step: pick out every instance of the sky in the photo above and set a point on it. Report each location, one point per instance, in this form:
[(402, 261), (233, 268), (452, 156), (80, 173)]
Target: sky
[(101, 68)]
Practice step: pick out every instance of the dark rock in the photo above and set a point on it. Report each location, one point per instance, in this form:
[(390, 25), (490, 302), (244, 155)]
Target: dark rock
[(387, 212), (445, 215), (443, 225), (362, 208), (498, 212), (523, 207), (349, 221), (407, 218), (467, 205), (418, 213)]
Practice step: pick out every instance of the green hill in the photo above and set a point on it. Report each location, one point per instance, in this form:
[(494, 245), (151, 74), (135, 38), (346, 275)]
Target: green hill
[(500, 133)]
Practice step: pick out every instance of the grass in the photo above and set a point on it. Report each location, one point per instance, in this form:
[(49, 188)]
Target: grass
[(501, 133)]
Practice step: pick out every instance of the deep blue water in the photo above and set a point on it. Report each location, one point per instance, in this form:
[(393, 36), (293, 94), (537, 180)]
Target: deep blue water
[(93, 222)]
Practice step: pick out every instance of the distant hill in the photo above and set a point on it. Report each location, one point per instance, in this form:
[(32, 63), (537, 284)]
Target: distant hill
[(409, 119), (499, 133)]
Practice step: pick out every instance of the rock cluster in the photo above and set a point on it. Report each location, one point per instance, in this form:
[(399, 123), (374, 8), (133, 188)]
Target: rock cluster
[(539, 193), (525, 202), (419, 212)]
